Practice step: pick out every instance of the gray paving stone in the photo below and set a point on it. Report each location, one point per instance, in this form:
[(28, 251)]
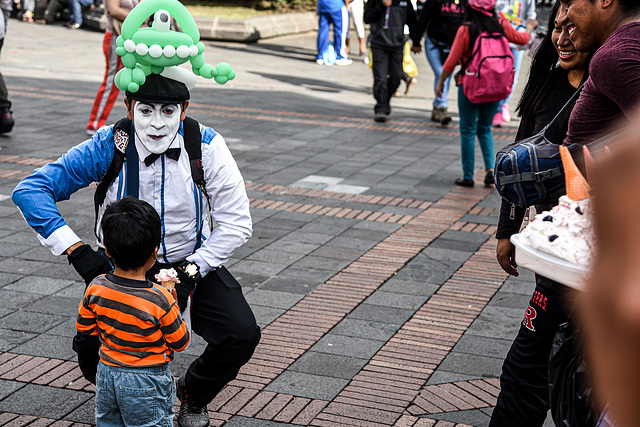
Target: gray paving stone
[(491, 328), (306, 237), (492, 347), (39, 285), (65, 329), (292, 246), (329, 251), (266, 315), (307, 385), (369, 329), (381, 314), (472, 364), (480, 219), (391, 299), (40, 400), (85, 414), (27, 321), (457, 245), (408, 287), (275, 256), (272, 299), (307, 274), (9, 339), (16, 299), (55, 305), (465, 236), (9, 387), (333, 343), (259, 267), (290, 285), (48, 345), (322, 263), (330, 365), (346, 242), (22, 266), (248, 280), (510, 300), (474, 417)]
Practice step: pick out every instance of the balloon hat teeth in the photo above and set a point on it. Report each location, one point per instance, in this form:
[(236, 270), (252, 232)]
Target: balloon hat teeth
[(151, 50), (576, 185)]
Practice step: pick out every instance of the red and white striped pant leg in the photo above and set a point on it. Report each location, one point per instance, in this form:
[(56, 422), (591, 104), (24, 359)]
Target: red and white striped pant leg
[(108, 92)]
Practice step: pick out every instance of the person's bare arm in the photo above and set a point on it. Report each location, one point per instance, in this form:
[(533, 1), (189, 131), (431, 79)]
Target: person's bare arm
[(116, 11), (610, 307)]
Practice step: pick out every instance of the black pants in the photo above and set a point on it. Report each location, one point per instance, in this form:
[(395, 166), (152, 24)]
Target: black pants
[(387, 73), (219, 314), (524, 387)]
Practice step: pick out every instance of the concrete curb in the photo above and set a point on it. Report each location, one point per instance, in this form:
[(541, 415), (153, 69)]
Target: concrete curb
[(253, 29), (247, 30)]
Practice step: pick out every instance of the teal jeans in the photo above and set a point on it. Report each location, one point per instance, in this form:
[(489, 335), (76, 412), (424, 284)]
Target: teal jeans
[(475, 120), (141, 397)]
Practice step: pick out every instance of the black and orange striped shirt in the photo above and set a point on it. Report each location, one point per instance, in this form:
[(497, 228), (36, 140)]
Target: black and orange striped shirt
[(138, 322)]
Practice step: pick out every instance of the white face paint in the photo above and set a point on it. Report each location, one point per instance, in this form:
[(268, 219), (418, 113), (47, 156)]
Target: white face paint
[(156, 125)]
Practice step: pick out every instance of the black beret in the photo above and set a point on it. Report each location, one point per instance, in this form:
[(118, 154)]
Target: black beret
[(160, 90)]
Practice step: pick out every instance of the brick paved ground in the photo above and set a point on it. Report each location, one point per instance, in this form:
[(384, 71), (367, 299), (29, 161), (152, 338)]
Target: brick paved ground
[(373, 278)]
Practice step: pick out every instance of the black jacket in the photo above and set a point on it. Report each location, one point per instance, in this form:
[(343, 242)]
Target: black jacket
[(440, 18), (387, 29)]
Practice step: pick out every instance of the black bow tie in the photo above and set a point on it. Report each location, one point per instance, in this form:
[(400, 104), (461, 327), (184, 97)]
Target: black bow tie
[(172, 153)]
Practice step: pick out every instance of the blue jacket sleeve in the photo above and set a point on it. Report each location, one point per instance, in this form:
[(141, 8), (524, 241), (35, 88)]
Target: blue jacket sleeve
[(37, 194)]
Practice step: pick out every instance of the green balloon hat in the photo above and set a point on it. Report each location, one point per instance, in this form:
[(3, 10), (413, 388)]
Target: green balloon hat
[(160, 50)]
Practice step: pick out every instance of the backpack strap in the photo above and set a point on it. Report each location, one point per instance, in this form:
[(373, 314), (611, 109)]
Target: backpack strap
[(121, 132)]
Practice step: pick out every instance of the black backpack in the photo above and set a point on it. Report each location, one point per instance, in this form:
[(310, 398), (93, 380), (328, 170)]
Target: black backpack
[(123, 133)]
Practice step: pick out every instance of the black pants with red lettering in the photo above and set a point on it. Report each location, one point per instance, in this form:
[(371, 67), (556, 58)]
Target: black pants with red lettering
[(387, 73), (524, 387)]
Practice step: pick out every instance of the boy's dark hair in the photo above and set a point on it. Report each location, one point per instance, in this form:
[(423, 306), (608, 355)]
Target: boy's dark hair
[(131, 231)]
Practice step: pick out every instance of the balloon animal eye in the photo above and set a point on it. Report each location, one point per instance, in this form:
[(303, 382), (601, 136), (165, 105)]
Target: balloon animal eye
[(164, 17)]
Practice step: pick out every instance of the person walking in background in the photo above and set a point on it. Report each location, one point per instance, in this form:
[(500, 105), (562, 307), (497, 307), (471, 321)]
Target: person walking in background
[(356, 12), (333, 12), (75, 18), (387, 19), (108, 92), (441, 20), (475, 119), (6, 116), (557, 70), (517, 12)]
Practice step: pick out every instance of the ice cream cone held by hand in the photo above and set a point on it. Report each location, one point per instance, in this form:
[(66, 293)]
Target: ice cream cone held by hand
[(167, 277), (577, 187)]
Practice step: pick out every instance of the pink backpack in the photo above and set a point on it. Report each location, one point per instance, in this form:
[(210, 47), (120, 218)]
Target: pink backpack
[(490, 70)]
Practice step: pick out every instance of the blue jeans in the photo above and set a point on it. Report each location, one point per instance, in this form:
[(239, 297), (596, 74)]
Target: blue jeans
[(475, 119), (517, 61), (141, 397), (76, 11), (435, 60)]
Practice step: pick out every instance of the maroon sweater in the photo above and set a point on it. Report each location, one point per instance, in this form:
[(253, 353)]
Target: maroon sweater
[(612, 93)]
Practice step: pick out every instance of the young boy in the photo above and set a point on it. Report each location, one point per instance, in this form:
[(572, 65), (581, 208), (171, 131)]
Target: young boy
[(138, 322)]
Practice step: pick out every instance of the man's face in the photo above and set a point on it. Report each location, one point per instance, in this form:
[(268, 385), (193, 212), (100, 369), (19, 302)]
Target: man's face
[(156, 124), (584, 22)]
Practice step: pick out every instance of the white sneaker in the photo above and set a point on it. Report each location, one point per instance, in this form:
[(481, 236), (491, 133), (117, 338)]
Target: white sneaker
[(319, 62), (343, 61)]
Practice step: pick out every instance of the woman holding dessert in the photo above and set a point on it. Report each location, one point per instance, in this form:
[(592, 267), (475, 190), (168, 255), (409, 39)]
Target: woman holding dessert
[(557, 70)]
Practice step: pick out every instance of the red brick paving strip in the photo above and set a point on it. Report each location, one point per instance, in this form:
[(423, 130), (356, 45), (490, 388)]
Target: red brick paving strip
[(413, 353)]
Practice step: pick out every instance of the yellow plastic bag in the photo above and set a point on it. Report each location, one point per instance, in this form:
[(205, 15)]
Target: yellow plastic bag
[(408, 64)]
